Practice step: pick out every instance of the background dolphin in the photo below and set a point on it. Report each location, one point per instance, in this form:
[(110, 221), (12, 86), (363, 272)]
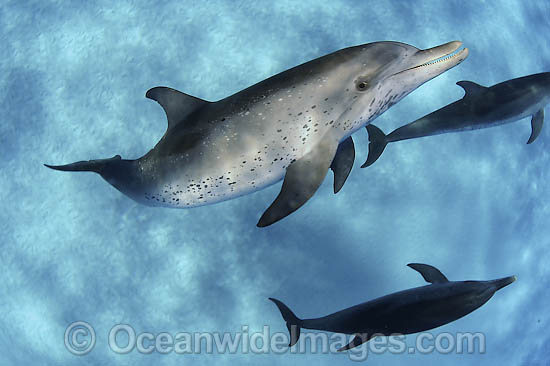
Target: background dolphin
[(405, 312), (295, 125), (481, 107)]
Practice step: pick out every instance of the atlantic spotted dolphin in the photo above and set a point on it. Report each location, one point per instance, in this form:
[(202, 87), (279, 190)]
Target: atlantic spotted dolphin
[(405, 312), (296, 125), (481, 107)]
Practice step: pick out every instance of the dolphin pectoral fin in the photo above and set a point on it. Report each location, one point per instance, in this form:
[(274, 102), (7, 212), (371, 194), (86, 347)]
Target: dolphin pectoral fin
[(357, 341), (176, 105), (471, 88), (536, 125), (303, 177), (342, 163), (430, 273), (377, 144)]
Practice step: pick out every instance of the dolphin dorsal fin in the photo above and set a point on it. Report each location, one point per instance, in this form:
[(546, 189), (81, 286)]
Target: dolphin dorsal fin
[(470, 87), (430, 273), (176, 105)]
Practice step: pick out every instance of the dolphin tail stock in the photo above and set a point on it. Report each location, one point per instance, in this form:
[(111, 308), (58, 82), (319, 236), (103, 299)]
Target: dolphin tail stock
[(377, 144), (96, 166), (293, 323)]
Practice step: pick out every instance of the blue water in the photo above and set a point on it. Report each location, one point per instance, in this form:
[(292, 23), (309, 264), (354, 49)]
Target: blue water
[(73, 79)]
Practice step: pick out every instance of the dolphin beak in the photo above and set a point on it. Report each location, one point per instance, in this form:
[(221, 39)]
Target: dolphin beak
[(437, 60), (503, 282), (442, 52)]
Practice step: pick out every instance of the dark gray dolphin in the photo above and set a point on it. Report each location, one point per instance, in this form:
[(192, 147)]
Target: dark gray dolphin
[(481, 107), (405, 312), (295, 125)]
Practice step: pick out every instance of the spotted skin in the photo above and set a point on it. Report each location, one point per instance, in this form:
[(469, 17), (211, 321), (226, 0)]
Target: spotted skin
[(215, 151)]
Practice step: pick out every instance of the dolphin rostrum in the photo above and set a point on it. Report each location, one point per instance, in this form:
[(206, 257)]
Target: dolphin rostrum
[(405, 312), (481, 107), (296, 125)]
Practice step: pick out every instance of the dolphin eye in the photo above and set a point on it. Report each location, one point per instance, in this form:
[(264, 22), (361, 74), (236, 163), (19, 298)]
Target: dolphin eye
[(362, 86)]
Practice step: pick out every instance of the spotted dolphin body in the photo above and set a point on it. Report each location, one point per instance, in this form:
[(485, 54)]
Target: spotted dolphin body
[(481, 107), (405, 312), (295, 125)]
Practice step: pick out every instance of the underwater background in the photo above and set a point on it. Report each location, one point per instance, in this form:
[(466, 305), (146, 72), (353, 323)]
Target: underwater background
[(73, 76)]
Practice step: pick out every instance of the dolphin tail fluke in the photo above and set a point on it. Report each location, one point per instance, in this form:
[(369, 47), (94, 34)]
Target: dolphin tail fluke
[(85, 166), (377, 144), (293, 323)]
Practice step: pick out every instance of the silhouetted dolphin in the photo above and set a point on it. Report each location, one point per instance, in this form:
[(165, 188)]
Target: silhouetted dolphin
[(295, 125), (405, 312), (481, 107)]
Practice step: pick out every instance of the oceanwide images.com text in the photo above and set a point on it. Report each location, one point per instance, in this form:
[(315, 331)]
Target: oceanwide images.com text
[(80, 339)]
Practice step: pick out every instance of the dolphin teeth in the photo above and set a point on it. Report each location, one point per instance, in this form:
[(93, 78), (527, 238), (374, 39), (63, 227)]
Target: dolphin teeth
[(443, 58)]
